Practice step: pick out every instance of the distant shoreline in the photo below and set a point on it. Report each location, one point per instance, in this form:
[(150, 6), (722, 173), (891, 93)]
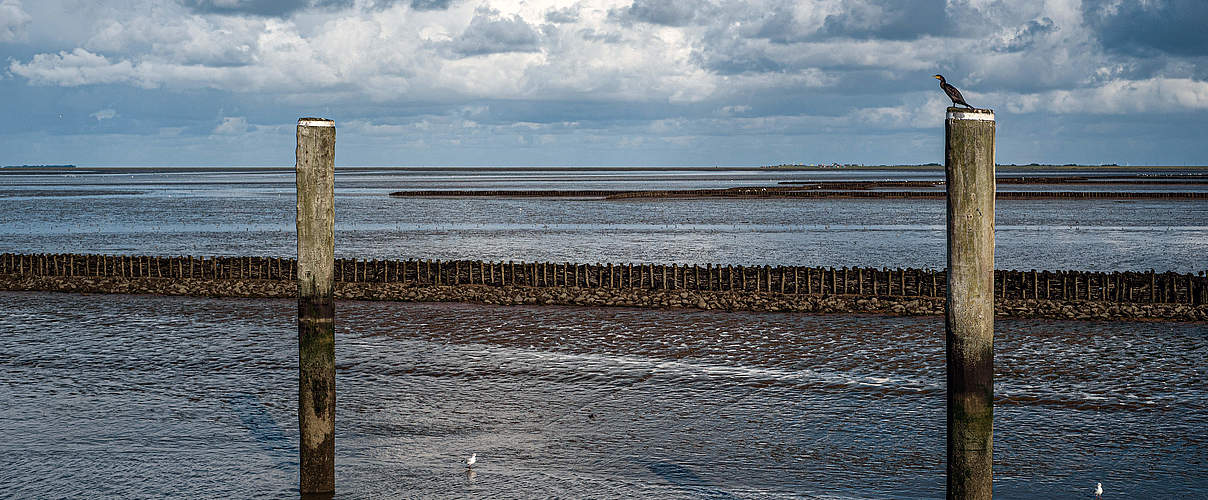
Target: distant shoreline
[(85, 170), (40, 166)]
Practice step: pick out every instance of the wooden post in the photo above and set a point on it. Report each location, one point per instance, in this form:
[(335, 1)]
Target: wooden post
[(1153, 287), (1203, 290), (316, 154), (1035, 285), (969, 320)]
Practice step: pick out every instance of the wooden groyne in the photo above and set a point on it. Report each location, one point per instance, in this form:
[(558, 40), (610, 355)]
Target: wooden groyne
[(923, 195), (1030, 293), (1147, 180)]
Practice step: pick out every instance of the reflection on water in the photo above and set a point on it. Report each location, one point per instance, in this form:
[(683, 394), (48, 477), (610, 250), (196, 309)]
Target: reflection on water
[(171, 396)]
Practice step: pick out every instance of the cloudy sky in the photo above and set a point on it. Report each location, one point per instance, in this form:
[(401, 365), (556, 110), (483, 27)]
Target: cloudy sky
[(598, 82)]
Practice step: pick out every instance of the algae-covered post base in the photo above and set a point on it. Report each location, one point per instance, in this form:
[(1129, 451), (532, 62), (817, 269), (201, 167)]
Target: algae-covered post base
[(316, 308), (969, 320)]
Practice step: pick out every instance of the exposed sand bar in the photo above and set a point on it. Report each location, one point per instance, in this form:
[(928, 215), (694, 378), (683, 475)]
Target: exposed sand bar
[(812, 191)]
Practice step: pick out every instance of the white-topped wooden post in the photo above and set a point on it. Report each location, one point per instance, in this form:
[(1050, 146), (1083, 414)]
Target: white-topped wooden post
[(316, 154), (969, 320)]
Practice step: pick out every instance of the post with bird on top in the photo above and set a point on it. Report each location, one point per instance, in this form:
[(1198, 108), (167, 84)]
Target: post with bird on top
[(969, 318), (316, 152)]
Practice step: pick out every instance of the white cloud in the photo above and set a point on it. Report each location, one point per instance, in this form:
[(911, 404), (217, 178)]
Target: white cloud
[(461, 72), (74, 68), (1155, 95), (13, 20), (104, 114), (738, 109), (231, 125), (541, 49), (504, 51), (491, 33), (919, 111)]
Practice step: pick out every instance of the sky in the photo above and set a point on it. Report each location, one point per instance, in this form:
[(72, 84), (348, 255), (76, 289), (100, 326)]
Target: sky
[(599, 82)]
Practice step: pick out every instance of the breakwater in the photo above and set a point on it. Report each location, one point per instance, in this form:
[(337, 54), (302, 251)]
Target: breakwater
[(1056, 294)]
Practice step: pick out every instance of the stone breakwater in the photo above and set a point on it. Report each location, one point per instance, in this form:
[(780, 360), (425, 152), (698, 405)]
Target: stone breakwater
[(605, 297)]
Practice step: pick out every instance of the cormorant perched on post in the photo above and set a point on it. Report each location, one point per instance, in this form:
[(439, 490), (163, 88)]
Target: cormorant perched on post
[(953, 94)]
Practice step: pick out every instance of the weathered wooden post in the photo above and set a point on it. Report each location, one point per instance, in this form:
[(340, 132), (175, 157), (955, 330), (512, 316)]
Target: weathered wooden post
[(316, 308), (969, 321)]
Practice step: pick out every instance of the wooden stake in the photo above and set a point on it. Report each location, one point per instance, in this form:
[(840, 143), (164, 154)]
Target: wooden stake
[(316, 307), (969, 321)]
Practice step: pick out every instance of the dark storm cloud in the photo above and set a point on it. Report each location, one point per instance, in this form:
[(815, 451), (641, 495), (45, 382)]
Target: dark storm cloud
[(601, 36), (1175, 27), (779, 27), (489, 33), (269, 8), (431, 4), (663, 12), (900, 20), (732, 56), (283, 8), (566, 15), (1027, 35), (734, 47)]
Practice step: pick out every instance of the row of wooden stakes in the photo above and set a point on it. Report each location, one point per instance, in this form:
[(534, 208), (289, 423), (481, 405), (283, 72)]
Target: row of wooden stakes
[(1132, 287)]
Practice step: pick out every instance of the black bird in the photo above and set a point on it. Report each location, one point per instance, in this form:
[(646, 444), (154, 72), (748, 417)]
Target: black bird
[(953, 94)]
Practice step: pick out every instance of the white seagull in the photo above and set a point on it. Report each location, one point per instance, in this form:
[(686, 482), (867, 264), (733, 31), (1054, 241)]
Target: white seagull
[(470, 461), (1098, 490)]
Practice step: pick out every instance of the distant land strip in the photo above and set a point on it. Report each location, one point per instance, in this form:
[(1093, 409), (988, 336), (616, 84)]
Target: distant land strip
[(1122, 296)]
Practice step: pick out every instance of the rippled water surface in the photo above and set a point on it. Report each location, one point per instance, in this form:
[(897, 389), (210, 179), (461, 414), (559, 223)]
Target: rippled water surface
[(136, 396), (251, 212)]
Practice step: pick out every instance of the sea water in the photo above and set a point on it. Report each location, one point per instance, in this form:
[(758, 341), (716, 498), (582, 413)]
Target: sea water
[(144, 396)]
